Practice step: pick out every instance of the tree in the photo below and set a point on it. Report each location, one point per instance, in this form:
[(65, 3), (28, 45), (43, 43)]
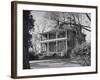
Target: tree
[(68, 18), (28, 23)]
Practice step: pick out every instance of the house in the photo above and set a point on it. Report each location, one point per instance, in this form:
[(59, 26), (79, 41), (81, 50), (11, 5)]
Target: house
[(59, 40)]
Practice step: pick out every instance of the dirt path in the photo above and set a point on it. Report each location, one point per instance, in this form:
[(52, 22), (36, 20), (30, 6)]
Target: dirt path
[(54, 63)]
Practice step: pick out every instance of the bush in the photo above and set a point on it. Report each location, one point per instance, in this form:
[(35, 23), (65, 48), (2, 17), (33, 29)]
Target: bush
[(32, 56), (82, 53)]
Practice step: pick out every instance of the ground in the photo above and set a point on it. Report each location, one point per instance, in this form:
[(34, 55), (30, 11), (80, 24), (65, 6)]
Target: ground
[(53, 63)]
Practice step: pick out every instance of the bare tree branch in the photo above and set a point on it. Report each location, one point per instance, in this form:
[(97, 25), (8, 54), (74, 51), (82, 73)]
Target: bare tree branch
[(88, 17), (83, 26), (44, 26), (37, 27)]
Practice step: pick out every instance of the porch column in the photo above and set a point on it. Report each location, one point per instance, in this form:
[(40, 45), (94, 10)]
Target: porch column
[(41, 43), (66, 39), (56, 43), (47, 44)]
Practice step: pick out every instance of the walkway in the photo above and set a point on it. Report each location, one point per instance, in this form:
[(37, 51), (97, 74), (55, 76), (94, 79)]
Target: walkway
[(54, 63)]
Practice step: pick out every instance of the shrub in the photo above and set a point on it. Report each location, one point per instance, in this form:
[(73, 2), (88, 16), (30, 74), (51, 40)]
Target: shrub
[(82, 53)]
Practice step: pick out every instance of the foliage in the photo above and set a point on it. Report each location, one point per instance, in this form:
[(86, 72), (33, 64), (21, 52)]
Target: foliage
[(82, 53), (28, 23)]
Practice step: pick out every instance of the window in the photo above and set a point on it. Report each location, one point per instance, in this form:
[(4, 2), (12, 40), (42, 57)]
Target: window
[(52, 35), (52, 46), (61, 34)]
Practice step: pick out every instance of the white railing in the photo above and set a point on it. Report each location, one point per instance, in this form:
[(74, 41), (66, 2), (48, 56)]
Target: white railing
[(53, 40)]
